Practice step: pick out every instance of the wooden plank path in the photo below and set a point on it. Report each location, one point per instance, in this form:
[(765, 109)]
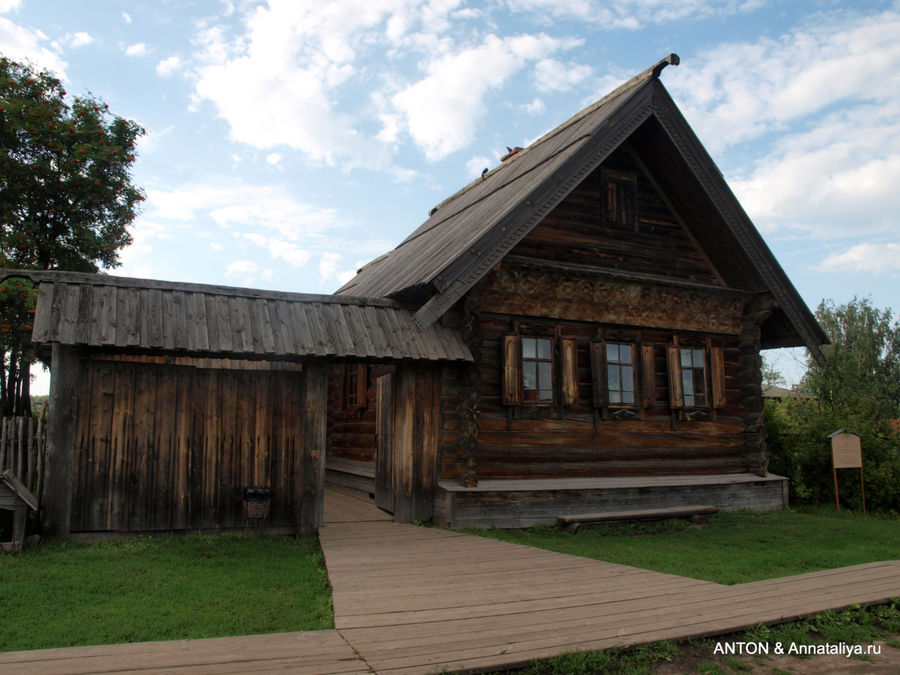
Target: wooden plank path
[(418, 600)]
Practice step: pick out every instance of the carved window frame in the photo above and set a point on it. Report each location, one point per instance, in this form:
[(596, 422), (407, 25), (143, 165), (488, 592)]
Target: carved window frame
[(693, 358)]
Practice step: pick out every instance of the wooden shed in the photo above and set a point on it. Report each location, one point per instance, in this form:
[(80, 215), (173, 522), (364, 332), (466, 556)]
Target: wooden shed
[(18, 500), (168, 399), (615, 297)]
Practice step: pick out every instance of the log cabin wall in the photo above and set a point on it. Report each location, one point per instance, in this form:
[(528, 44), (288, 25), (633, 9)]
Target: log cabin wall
[(605, 266), (170, 447), (351, 410)]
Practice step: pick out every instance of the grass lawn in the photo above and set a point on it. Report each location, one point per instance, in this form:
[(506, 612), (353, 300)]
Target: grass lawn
[(161, 588), (733, 548)]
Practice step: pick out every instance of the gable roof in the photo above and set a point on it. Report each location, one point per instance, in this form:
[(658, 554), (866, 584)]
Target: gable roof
[(121, 313), (468, 233)]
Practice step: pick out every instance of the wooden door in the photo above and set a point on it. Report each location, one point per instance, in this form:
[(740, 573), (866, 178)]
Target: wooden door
[(384, 483)]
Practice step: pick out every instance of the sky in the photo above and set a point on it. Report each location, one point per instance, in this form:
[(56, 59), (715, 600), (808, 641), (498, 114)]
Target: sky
[(289, 142)]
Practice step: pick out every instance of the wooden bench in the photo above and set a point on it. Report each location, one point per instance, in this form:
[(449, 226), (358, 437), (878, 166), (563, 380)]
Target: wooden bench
[(573, 523)]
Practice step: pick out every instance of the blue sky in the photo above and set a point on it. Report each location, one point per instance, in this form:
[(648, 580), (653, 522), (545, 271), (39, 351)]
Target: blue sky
[(288, 142)]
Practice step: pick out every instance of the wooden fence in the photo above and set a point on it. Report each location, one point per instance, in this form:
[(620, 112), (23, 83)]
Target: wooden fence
[(23, 447)]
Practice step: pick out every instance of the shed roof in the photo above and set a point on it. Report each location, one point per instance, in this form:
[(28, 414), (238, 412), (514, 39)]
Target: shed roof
[(96, 310), (467, 234)]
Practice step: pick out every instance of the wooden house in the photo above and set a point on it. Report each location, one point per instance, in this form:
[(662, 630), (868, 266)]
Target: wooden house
[(577, 330), (615, 298)]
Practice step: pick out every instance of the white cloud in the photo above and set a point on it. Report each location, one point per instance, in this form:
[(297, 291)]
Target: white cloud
[(876, 259), (169, 66), (476, 165), (631, 14), (553, 75), (9, 5), (79, 39), (831, 120), (241, 267), (328, 265), (137, 49), (442, 109), (274, 158), (24, 44), (126, 17), (536, 107)]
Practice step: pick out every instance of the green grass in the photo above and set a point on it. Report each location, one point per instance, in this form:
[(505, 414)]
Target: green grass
[(733, 548), (163, 588)]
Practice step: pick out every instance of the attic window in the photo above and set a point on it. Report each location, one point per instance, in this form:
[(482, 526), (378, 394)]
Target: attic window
[(617, 195)]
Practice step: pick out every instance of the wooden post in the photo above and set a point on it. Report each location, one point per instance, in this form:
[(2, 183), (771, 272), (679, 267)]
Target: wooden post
[(309, 478), (414, 431), (59, 469)]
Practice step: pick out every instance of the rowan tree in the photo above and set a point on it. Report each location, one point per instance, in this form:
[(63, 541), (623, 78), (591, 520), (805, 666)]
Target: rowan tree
[(66, 196)]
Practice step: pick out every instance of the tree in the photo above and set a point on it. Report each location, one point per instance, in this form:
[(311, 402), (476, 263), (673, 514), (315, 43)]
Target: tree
[(66, 198), (858, 389), (862, 367)]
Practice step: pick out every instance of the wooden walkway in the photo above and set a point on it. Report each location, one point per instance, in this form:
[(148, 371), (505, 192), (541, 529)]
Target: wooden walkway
[(415, 600)]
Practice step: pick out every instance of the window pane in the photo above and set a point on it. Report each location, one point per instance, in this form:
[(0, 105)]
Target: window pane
[(685, 358), (698, 358), (546, 395), (687, 383), (528, 350), (689, 401), (615, 383), (625, 354), (614, 396), (627, 378), (612, 353), (544, 349), (628, 397), (545, 377), (529, 376)]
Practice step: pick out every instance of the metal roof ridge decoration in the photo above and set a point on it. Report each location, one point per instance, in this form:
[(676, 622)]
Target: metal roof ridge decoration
[(125, 314)]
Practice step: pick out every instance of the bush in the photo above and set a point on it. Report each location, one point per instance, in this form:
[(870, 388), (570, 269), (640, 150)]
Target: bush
[(799, 449)]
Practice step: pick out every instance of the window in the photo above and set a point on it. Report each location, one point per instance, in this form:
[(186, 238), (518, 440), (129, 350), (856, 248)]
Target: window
[(528, 376), (697, 377), (617, 193), (693, 377), (620, 373), (537, 370), (355, 387)]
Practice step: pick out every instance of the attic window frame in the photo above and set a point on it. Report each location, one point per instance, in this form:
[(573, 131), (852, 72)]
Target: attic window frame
[(618, 198)]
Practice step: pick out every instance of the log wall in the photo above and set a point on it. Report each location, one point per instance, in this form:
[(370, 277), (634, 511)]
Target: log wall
[(162, 447)]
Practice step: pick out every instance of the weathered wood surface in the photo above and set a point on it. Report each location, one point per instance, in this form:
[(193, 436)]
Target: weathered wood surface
[(322, 652), (100, 311), (644, 514), (161, 447), (416, 600), (522, 503)]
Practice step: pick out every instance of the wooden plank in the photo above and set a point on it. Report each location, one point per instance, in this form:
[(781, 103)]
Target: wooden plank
[(644, 514), (384, 491), (309, 483)]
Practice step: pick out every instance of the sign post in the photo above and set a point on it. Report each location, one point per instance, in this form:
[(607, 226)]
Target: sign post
[(846, 453)]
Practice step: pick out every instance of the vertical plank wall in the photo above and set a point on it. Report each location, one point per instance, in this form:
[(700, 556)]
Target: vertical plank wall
[(161, 447)]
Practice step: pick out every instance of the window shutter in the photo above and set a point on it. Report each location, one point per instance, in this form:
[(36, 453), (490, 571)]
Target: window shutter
[(598, 373), (717, 376), (676, 390), (512, 370), (569, 365), (648, 375)]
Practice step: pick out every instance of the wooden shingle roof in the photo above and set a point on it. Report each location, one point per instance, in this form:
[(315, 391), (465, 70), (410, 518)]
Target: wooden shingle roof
[(469, 233), (94, 310)]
